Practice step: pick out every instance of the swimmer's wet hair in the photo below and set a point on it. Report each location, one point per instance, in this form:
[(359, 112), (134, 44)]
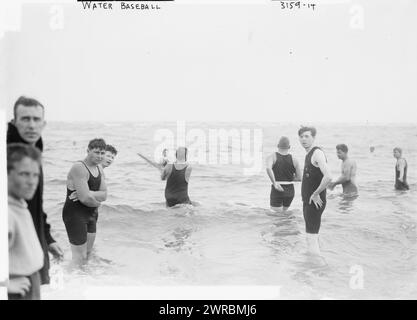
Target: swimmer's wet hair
[(185, 153), (305, 129), (111, 149), (97, 144), (16, 152), (26, 102), (398, 149), (284, 143), (342, 147)]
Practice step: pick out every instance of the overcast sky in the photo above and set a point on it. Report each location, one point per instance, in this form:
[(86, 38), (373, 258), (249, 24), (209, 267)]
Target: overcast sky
[(236, 62)]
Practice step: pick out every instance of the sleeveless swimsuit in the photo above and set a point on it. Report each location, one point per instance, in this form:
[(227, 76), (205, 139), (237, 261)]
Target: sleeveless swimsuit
[(176, 190), (312, 177), (78, 218), (284, 170), (398, 184)]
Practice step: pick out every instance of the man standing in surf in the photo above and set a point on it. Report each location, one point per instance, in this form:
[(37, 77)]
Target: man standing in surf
[(86, 178), (110, 154), (316, 177), (348, 177), (400, 170), (282, 169), (177, 175)]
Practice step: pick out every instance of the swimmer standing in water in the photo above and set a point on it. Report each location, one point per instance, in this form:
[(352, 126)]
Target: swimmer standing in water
[(109, 156), (316, 177), (86, 178), (348, 176), (282, 169), (177, 175), (400, 170)]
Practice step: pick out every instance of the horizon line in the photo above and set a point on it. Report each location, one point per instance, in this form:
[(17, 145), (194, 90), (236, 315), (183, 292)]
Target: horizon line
[(301, 122)]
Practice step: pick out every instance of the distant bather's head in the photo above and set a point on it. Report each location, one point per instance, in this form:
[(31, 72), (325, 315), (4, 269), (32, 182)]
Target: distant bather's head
[(342, 150), (397, 152), (109, 156), (284, 143), (181, 154)]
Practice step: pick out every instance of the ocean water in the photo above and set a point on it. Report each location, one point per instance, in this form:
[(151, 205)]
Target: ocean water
[(230, 237)]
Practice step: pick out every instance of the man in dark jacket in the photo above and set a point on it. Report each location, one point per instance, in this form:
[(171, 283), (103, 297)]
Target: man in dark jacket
[(26, 127)]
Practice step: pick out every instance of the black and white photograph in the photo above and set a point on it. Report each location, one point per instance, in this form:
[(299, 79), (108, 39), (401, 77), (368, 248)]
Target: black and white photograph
[(208, 150)]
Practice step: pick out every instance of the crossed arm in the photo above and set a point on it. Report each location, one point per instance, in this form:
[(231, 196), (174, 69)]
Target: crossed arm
[(79, 177)]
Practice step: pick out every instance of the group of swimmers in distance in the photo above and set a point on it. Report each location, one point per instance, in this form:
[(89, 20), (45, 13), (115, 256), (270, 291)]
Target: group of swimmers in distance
[(29, 233)]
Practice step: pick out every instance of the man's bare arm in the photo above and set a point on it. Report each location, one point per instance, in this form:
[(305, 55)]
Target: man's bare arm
[(345, 176), (79, 179), (100, 195), (188, 173), (269, 164), (298, 173), (401, 166), (319, 158), (166, 171)]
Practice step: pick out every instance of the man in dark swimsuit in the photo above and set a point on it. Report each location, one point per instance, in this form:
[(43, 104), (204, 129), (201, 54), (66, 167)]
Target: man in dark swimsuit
[(177, 175), (400, 170), (316, 177), (282, 169), (85, 177), (108, 159)]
